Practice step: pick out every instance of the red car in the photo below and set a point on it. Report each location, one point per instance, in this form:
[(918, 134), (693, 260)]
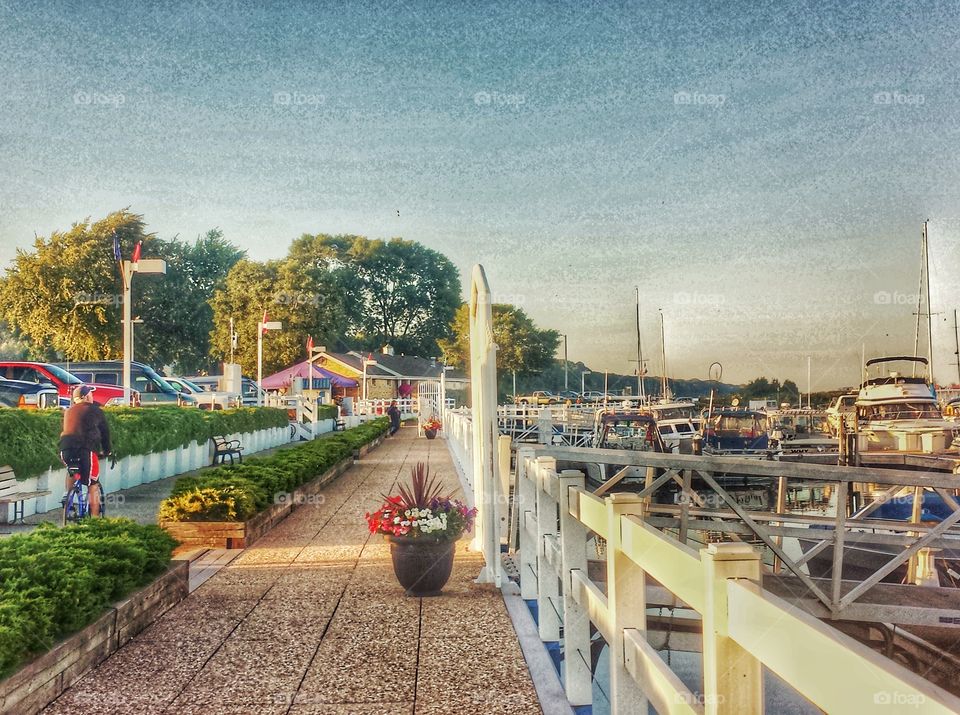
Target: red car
[(64, 381)]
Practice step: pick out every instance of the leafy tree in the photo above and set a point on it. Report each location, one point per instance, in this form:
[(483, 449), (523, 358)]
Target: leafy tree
[(397, 292), (521, 346), (64, 298), (306, 303)]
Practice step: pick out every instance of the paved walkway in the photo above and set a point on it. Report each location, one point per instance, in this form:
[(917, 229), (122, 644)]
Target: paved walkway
[(310, 620)]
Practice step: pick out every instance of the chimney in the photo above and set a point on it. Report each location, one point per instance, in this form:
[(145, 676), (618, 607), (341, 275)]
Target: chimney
[(387, 349)]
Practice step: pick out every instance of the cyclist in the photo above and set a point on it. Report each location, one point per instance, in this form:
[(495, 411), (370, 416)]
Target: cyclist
[(85, 432)]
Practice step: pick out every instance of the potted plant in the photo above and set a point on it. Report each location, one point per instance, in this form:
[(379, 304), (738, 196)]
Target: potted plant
[(422, 526), (431, 427)]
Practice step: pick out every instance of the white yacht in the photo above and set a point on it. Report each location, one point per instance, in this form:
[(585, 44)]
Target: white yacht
[(898, 411)]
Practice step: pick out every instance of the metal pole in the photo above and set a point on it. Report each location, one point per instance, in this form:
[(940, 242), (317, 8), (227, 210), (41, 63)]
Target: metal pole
[(566, 383), (231, 341), (926, 273), (956, 338), (127, 329), (640, 388), (809, 383), (259, 364)]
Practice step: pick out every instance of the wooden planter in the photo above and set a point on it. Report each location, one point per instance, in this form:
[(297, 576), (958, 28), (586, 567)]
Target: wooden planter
[(242, 534), (41, 681)]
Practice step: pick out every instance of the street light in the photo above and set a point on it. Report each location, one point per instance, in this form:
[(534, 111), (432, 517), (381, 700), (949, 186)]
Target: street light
[(582, 383), (566, 384), (365, 363), (263, 327), (145, 265)]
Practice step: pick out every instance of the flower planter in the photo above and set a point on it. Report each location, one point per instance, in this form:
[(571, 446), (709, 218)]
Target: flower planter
[(430, 433), (422, 566)]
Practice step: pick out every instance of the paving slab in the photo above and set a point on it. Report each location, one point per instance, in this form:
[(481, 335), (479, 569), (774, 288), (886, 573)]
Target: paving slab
[(311, 621)]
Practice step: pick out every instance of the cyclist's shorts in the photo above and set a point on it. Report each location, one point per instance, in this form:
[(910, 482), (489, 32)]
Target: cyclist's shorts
[(85, 461)]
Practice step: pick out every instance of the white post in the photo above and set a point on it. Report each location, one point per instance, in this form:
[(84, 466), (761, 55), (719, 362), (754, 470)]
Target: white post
[(259, 364), (577, 679), (548, 589), (128, 272), (483, 381)]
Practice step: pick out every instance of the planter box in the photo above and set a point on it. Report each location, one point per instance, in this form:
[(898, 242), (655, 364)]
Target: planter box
[(41, 681), (242, 534)]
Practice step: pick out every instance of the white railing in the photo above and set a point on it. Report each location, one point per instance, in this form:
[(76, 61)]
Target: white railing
[(407, 406), (744, 627)]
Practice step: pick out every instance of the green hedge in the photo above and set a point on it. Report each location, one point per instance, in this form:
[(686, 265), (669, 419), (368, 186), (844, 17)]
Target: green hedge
[(238, 491), (30, 437), (54, 581)]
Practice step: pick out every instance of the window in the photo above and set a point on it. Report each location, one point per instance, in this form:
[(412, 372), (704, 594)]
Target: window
[(103, 378)]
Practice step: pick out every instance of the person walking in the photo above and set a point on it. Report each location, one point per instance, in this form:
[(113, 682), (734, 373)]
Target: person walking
[(394, 413)]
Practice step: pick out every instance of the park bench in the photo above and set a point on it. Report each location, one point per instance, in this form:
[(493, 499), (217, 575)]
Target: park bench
[(223, 448), (11, 493)]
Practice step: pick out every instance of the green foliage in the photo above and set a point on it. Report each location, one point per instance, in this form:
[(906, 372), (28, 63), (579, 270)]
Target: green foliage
[(228, 503), (521, 346), (306, 303), (224, 493), (397, 292), (64, 297), (56, 581), (31, 437)]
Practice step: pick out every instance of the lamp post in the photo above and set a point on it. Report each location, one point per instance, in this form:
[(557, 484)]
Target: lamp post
[(366, 362), (566, 383), (145, 265), (583, 387), (263, 327)]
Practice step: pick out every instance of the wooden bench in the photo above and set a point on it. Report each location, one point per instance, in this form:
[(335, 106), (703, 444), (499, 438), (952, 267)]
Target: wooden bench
[(11, 493), (223, 448)]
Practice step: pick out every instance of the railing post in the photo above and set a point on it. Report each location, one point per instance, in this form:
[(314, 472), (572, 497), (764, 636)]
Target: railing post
[(732, 677), (545, 426), (503, 456), (627, 605), (527, 504), (576, 621), (548, 582)]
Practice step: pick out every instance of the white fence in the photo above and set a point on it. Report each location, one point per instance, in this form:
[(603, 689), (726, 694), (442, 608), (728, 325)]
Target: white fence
[(744, 627)]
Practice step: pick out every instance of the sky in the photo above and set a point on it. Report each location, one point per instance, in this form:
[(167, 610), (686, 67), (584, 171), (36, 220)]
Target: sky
[(759, 171)]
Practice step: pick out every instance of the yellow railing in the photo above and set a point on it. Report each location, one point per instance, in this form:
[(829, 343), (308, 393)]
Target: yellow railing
[(745, 628)]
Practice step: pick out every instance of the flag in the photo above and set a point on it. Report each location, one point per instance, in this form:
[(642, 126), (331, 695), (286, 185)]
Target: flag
[(116, 249), (264, 322), (136, 252), (309, 346)]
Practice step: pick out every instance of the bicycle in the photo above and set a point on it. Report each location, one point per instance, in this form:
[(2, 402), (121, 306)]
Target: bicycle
[(76, 504)]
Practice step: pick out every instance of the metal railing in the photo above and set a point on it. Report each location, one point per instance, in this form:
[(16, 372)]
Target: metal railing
[(744, 627)]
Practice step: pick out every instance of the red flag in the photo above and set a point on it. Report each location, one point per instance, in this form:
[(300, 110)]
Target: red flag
[(136, 252), (264, 322), (309, 346)]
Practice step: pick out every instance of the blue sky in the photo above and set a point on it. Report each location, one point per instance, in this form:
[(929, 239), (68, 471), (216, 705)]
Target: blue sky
[(760, 171)]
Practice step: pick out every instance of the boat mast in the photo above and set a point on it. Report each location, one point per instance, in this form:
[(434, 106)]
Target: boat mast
[(926, 273), (956, 338), (916, 333), (664, 384), (640, 390)]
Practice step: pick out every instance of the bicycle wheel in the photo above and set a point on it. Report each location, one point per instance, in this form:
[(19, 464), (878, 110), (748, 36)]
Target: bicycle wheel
[(73, 507)]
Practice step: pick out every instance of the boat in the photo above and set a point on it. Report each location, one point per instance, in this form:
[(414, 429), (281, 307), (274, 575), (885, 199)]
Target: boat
[(735, 431), (897, 412)]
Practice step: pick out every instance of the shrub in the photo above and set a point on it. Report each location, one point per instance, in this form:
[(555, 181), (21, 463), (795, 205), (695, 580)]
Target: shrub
[(31, 436), (214, 494), (56, 581)]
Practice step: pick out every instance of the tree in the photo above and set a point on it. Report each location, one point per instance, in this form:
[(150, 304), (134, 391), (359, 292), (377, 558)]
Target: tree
[(65, 297), (397, 292), (306, 304), (521, 346)]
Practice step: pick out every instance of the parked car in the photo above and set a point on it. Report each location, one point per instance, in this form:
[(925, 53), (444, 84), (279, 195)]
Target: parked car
[(28, 395), (65, 382), (592, 396), (570, 396), (249, 387), (539, 397), (153, 389), (206, 399)]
